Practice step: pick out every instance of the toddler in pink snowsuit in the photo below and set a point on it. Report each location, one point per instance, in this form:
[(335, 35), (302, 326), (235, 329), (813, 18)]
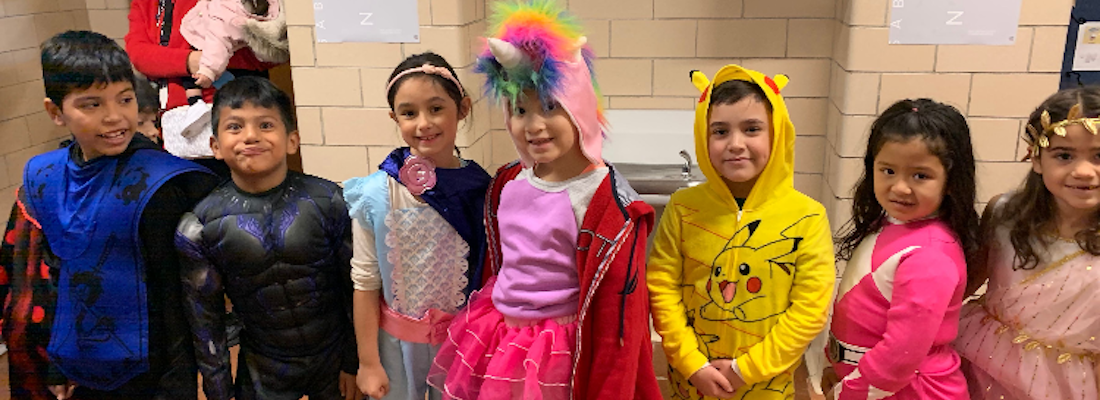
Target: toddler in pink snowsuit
[(217, 28)]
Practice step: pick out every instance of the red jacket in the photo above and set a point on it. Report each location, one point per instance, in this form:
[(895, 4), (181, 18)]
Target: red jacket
[(614, 358), (170, 62), (27, 294)]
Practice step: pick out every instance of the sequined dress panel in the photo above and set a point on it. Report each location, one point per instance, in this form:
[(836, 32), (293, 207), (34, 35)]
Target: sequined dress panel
[(1033, 335)]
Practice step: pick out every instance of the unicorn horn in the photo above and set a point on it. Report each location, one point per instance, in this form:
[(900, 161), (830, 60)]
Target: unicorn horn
[(583, 40), (505, 53)]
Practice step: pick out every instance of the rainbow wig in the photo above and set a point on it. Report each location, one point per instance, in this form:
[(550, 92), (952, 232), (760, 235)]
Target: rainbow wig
[(536, 45)]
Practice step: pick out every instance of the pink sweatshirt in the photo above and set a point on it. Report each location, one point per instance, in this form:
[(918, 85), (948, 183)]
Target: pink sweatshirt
[(897, 312), (217, 28)]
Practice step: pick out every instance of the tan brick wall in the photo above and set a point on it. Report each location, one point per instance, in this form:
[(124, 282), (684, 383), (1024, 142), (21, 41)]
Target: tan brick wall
[(646, 48), (835, 52), (340, 88), (842, 72), (25, 129), (996, 87), (652, 44)]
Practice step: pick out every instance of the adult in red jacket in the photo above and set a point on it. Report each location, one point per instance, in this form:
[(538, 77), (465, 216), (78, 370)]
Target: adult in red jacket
[(159, 51)]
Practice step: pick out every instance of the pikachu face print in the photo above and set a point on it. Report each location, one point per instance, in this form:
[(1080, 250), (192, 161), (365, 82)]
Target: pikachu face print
[(744, 275)]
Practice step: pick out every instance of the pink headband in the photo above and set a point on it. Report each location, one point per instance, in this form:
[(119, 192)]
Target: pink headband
[(428, 69)]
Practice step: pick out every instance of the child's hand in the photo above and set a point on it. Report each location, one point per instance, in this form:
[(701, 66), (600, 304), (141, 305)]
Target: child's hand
[(372, 381), (347, 387), (725, 366), (193, 61), (64, 391), (202, 80), (829, 380), (711, 383)]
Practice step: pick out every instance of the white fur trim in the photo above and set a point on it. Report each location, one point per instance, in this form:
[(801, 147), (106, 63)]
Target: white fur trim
[(267, 38)]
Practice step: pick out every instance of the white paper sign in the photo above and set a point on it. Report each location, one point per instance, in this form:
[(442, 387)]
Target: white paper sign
[(982, 22), (1087, 55), (390, 21)]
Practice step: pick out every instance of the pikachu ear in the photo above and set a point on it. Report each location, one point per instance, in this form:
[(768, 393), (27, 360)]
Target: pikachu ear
[(781, 81), (699, 80), (742, 236)]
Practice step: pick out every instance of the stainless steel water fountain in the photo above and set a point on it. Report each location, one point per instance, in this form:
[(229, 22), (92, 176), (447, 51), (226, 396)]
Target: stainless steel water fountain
[(662, 179), (686, 170)]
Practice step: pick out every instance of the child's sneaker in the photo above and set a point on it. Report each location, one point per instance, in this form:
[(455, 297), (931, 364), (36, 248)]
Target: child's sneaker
[(183, 144), (3, 348), (197, 118)]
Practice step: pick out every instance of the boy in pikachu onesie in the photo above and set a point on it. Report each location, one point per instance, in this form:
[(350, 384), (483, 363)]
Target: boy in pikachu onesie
[(741, 271)]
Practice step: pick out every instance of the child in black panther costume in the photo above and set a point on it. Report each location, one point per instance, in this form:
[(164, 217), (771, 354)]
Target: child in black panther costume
[(278, 243)]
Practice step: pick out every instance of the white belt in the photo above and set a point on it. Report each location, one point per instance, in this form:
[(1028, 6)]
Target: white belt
[(841, 352)]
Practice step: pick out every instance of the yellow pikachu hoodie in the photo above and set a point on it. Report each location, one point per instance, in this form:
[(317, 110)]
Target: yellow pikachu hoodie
[(751, 284)]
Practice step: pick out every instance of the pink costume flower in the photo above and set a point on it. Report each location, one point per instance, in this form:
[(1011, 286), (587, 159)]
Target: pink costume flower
[(418, 174)]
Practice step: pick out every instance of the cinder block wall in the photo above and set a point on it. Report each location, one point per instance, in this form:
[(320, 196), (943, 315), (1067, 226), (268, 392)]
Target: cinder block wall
[(25, 129), (340, 87), (835, 52), (996, 87), (842, 70), (646, 48)]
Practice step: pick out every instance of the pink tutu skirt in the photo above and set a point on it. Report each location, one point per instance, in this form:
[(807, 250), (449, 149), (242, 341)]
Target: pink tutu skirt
[(490, 356)]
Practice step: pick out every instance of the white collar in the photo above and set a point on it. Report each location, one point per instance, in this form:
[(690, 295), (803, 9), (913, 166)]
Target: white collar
[(896, 221)]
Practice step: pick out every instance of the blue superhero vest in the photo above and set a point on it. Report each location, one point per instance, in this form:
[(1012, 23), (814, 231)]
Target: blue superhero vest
[(90, 216)]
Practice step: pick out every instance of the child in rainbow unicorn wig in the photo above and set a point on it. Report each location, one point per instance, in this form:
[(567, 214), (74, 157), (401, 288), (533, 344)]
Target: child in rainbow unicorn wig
[(564, 312)]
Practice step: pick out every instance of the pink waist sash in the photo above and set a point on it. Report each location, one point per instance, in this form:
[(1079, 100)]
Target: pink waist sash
[(430, 328)]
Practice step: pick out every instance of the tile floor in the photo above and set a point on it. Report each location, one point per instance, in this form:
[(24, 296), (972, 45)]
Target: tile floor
[(801, 392)]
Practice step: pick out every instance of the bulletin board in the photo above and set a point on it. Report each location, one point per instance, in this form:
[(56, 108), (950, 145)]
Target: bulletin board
[(977, 22), (1084, 13), (387, 21)]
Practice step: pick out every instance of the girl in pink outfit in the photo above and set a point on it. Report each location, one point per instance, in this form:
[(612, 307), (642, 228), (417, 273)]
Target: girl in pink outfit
[(1033, 335), (564, 311), (906, 247), (217, 28)]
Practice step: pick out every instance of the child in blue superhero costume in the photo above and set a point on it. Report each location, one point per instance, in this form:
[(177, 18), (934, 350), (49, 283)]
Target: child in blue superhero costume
[(107, 205)]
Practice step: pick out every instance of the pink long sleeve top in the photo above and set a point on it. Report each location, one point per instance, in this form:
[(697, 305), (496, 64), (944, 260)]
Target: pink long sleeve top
[(897, 312)]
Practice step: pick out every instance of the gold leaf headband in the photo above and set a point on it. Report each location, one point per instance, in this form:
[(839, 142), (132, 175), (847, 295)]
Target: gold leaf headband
[(1037, 140)]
